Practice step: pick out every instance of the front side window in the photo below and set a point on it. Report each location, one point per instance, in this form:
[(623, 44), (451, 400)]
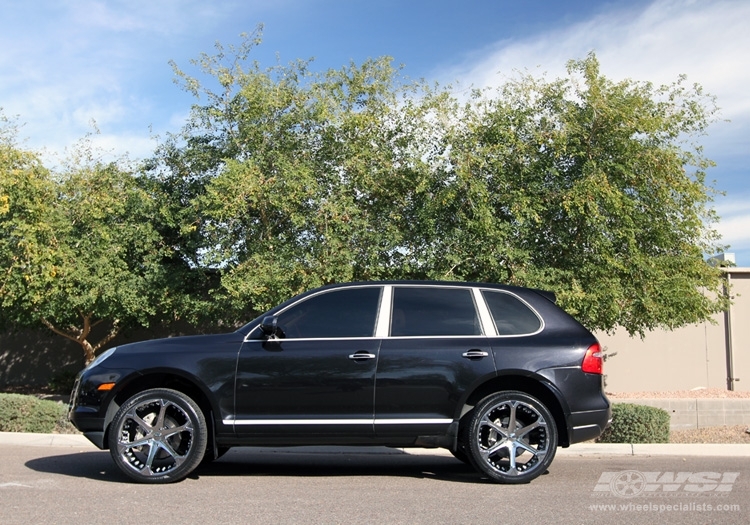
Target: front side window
[(421, 311), (511, 315), (339, 313)]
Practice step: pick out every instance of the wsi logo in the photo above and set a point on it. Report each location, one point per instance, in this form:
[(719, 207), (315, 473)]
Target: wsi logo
[(631, 483)]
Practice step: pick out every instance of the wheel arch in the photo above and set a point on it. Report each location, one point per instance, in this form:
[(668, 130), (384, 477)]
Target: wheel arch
[(163, 379), (534, 386)]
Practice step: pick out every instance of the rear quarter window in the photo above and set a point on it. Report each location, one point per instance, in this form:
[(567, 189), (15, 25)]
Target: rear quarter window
[(511, 315)]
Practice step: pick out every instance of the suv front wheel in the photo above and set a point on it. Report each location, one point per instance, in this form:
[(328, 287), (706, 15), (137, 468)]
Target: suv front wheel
[(158, 436), (512, 437)]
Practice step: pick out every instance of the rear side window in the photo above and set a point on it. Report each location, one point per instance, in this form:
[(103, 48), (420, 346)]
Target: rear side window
[(511, 315), (339, 313), (433, 311)]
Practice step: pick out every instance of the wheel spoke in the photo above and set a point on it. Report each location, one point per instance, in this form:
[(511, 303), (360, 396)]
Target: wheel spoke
[(512, 418), (505, 443), (527, 448), (159, 423), (528, 428), (152, 450), (171, 431), (494, 426), (512, 458), (178, 459), (139, 421), (145, 440)]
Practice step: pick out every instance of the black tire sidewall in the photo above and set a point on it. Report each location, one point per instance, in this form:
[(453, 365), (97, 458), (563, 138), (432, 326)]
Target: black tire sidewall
[(197, 446)]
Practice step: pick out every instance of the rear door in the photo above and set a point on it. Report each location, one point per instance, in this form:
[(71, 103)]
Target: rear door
[(435, 354)]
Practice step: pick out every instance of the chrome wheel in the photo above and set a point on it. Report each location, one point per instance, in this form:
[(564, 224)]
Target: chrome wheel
[(512, 437), (158, 436)]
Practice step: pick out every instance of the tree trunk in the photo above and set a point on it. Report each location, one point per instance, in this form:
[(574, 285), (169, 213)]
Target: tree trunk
[(81, 335)]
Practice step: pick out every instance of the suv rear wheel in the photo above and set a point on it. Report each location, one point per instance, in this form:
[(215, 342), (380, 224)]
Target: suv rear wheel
[(512, 437)]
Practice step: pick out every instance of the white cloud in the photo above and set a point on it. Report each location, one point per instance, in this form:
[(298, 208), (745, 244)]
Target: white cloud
[(708, 41), (735, 220), (164, 16)]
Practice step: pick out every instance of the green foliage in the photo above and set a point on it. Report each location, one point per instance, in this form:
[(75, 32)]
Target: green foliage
[(284, 179), (306, 179), (287, 179), (585, 187), (20, 413), (79, 248), (637, 424)]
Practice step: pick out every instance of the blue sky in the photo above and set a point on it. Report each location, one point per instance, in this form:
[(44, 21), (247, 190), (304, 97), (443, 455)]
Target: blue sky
[(67, 63)]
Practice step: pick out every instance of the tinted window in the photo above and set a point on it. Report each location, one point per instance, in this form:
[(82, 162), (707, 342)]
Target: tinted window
[(433, 311), (339, 313), (511, 316)]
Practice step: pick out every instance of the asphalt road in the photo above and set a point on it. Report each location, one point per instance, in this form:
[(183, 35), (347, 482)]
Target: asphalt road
[(61, 485)]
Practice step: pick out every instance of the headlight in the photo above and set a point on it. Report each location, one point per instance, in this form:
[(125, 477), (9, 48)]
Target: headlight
[(101, 358)]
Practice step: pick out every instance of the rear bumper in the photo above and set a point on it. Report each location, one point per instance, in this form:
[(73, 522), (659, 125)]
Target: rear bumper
[(584, 426)]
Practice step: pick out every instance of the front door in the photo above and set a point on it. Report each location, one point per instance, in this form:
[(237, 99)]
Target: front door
[(317, 381)]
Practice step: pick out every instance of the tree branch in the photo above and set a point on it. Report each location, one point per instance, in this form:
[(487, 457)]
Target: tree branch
[(58, 331)]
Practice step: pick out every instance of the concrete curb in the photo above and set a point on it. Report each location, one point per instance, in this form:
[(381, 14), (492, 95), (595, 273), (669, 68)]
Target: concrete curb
[(29, 439), (581, 449)]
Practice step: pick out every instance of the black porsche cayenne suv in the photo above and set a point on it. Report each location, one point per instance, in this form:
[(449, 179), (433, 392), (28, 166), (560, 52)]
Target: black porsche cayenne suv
[(498, 375)]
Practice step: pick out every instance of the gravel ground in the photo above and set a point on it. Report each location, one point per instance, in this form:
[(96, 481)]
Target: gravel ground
[(725, 434), (686, 394)]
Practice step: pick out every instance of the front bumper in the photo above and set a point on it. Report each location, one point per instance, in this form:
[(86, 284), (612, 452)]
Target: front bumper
[(87, 411)]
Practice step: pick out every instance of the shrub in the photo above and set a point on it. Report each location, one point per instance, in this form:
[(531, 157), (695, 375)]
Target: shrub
[(637, 424), (19, 413)]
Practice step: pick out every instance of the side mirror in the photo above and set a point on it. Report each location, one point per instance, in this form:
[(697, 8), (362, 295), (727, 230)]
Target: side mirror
[(270, 327)]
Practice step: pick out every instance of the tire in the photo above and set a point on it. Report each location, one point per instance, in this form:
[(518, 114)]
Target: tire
[(511, 438), (158, 436)]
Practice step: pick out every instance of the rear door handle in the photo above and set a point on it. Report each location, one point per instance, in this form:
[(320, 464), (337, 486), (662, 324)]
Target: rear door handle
[(475, 354)]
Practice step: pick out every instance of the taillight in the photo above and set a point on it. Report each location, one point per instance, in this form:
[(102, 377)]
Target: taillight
[(593, 360)]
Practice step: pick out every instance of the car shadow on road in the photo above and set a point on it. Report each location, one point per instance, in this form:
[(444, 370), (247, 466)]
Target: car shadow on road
[(91, 465), (276, 462), (252, 462)]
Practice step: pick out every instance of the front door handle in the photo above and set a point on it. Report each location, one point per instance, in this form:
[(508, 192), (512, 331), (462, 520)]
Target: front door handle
[(475, 354), (361, 355)]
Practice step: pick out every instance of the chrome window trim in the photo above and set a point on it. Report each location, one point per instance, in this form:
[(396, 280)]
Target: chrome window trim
[(383, 322), (522, 300), (442, 287), (385, 313), (368, 421), (321, 292), (485, 316)]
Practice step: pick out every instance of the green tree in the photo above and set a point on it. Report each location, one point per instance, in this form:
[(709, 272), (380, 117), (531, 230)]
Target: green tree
[(302, 179), (28, 225), (591, 188), (78, 250), (584, 186)]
